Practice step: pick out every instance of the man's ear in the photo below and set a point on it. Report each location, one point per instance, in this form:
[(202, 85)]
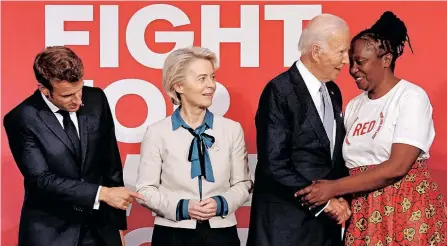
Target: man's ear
[(44, 90), (315, 52)]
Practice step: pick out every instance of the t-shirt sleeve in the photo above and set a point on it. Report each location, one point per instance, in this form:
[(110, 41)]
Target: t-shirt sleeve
[(414, 124)]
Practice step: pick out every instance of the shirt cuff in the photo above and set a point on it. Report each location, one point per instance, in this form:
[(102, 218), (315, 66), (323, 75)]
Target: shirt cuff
[(182, 210), (96, 205), (222, 206), (327, 204)]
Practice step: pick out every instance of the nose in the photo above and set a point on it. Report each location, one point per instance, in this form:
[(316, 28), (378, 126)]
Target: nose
[(77, 99), (211, 83), (353, 68), (345, 58)]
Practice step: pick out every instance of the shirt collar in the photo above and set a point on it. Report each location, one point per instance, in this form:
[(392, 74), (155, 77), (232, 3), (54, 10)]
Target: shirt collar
[(52, 107), (177, 120), (312, 83)]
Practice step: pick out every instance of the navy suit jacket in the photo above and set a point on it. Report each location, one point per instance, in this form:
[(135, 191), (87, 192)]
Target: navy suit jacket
[(60, 189), (293, 150)]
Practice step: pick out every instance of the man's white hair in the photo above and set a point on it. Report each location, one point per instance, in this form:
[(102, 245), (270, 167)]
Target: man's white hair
[(319, 30)]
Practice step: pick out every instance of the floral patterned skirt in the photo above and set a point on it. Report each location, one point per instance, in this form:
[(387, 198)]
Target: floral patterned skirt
[(410, 212)]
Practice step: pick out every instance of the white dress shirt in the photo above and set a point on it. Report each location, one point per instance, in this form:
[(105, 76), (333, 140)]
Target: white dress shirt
[(74, 119), (313, 85)]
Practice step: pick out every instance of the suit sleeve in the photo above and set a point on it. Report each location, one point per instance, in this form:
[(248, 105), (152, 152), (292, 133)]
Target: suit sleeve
[(34, 168), (274, 141), (113, 165)]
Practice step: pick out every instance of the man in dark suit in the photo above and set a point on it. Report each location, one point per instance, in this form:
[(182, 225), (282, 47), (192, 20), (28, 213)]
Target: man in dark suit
[(63, 141), (299, 139)]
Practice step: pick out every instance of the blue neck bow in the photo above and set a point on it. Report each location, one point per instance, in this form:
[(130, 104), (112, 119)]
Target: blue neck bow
[(198, 154)]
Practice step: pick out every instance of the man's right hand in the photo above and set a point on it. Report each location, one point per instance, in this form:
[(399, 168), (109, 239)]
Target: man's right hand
[(118, 197), (338, 209)]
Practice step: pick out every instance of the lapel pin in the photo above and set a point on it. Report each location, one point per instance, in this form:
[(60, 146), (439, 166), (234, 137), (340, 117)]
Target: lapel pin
[(215, 147), (332, 93)]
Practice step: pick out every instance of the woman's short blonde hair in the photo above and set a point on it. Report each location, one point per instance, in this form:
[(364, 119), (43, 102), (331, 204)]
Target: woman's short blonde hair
[(175, 65)]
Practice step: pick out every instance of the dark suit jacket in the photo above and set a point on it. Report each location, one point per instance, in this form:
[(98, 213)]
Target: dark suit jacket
[(293, 150), (60, 189)]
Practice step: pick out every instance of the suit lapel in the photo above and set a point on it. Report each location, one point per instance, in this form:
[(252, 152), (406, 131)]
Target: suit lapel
[(83, 133), (53, 124), (50, 120), (338, 122), (308, 106)]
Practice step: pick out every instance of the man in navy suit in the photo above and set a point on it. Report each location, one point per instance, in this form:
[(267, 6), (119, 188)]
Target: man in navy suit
[(63, 140), (300, 132)]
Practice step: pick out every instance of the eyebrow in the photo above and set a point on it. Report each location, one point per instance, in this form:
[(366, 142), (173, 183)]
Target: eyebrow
[(64, 95), (204, 74), (359, 58)]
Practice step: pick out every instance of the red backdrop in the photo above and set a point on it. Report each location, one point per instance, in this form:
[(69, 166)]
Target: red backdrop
[(255, 40)]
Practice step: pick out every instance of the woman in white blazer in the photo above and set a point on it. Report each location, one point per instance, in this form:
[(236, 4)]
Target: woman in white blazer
[(194, 168)]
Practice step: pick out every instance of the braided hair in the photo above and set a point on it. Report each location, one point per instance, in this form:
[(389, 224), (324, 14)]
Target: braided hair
[(388, 35)]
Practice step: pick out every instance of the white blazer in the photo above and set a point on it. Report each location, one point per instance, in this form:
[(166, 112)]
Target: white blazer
[(164, 172)]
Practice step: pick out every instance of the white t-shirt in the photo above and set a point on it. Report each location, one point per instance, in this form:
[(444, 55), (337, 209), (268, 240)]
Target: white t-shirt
[(403, 115)]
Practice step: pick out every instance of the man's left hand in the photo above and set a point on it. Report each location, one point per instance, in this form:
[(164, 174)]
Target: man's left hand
[(318, 193)]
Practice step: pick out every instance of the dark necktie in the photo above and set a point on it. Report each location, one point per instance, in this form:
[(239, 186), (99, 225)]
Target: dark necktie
[(70, 129)]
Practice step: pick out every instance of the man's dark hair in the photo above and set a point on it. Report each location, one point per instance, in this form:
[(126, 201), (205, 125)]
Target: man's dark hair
[(57, 63)]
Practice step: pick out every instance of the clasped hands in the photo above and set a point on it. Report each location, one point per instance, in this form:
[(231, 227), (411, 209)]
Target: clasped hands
[(319, 193), (202, 210)]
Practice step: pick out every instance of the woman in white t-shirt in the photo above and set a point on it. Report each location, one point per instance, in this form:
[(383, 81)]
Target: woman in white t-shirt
[(389, 131)]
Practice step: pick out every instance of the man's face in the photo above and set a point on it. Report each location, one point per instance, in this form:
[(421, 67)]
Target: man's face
[(334, 57), (65, 95)]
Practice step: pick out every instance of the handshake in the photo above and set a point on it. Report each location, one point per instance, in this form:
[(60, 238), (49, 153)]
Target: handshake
[(320, 192), (338, 209)]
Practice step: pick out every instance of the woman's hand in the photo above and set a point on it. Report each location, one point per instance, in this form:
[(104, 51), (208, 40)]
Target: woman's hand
[(203, 210), (319, 193)]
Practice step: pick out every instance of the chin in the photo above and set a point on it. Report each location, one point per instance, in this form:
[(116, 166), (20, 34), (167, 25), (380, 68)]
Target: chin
[(206, 104), (363, 88), (334, 78), (72, 109)]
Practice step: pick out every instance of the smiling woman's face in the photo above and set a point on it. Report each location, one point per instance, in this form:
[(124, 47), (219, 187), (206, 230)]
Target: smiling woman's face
[(366, 67), (199, 86)]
